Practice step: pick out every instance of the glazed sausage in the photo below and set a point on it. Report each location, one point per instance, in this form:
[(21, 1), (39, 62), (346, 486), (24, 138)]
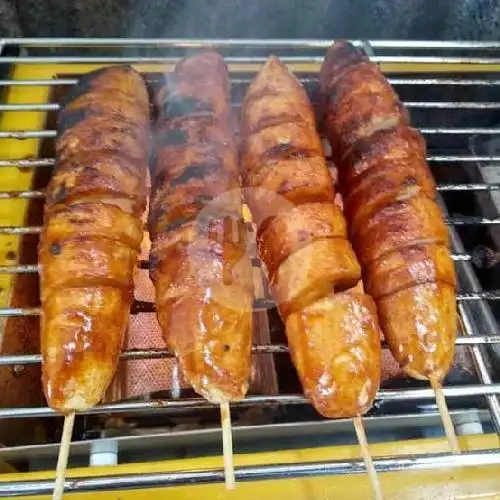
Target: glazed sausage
[(331, 325), (199, 263), (92, 234), (395, 224)]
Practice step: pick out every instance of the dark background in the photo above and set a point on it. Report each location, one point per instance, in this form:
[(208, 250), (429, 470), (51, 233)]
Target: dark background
[(396, 19)]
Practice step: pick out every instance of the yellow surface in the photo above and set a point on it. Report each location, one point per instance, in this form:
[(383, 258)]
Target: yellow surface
[(471, 483), (466, 483)]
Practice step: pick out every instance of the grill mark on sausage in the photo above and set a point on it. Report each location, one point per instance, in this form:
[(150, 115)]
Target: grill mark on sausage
[(71, 118), (98, 193), (83, 86), (266, 91), (81, 221), (275, 120), (195, 171), (172, 226), (413, 285), (122, 164), (287, 151)]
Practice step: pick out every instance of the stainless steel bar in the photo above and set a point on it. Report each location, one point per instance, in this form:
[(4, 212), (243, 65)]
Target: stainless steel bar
[(473, 296), (461, 257), (8, 312), (410, 59), (482, 313), (49, 162), (461, 131), (200, 403), (168, 441), (151, 60), (491, 295), (462, 158), (445, 81), (19, 269), (20, 230), (408, 104), (27, 134), (305, 80), (33, 268), (35, 163), (316, 60), (451, 105), (243, 43), (478, 339), (25, 195), (481, 368), (479, 186), (252, 473), (33, 359), (38, 83), (452, 221), (258, 304), (29, 107), (464, 220)]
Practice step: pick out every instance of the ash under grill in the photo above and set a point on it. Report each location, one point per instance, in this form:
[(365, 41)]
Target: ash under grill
[(452, 91)]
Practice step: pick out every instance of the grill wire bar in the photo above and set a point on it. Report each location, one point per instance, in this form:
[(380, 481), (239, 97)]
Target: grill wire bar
[(478, 58), (50, 162), (141, 307), (452, 221), (51, 134), (39, 194), (251, 473), (294, 399)]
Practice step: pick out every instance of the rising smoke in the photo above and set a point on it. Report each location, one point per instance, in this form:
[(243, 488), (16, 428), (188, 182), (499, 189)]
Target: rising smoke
[(397, 19)]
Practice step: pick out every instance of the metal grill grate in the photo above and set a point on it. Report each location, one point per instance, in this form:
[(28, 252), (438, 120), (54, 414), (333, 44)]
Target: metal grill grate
[(429, 70)]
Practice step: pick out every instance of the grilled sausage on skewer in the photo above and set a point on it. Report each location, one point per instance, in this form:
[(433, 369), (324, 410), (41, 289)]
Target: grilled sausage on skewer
[(396, 226), (331, 324), (198, 259), (92, 234)]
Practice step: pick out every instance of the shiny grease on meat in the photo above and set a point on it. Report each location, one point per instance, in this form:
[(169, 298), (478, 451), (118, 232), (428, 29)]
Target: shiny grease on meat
[(199, 262), (331, 325), (395, 224), (92, 234)]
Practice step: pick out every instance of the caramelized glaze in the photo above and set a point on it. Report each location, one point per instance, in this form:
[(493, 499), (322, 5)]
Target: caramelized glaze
[(396, 226), (302, 240), (92, 234), (199, 263)]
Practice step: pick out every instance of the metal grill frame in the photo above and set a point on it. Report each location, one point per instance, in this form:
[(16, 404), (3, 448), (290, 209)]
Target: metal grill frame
[(471, 57)]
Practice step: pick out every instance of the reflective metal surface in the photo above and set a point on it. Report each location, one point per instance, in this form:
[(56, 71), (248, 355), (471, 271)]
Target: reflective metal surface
[(253, 473)]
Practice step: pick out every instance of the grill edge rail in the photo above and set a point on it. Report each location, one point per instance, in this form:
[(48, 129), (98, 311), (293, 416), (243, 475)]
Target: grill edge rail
[(253, 473)]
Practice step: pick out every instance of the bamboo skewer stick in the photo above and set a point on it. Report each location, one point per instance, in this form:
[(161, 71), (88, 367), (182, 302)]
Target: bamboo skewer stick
[(227, 446), (365, 453), (62, 459), (449, 429)]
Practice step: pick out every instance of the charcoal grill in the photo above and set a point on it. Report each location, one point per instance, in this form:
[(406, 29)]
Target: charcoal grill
[(452, 90)]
